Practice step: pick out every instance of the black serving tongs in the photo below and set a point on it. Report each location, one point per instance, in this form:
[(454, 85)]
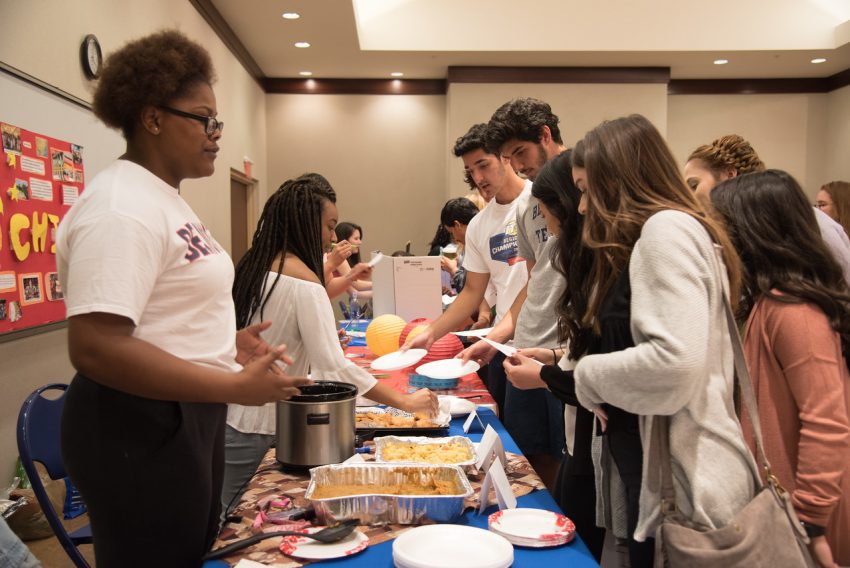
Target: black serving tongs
[(326, 536)]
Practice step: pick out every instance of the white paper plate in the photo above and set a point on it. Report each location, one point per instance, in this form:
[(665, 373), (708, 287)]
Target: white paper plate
[(301, 547), (451, 546), (447, 368), (538, 526), (398, 360), (458, 406)]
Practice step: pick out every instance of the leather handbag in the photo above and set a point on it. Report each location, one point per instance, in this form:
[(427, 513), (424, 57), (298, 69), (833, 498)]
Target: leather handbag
[(766, 532)]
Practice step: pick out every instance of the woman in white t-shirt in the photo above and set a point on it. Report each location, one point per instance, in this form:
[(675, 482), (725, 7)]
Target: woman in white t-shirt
[(151, 331), (281, 277)]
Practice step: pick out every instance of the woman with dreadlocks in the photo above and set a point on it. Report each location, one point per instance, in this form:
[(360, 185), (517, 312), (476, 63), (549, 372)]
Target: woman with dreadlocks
[(282, 276)]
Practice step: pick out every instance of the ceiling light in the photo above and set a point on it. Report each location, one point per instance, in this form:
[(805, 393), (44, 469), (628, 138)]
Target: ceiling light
[(721, 61), (396, 74), (306, 73), (291, 16), (302, 44), (819, 60)]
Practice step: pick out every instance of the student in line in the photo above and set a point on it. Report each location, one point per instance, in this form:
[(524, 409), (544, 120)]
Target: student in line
[(491, 247), (574, 487), (527, 131), (650, 237), (730, 156), (797, 306)]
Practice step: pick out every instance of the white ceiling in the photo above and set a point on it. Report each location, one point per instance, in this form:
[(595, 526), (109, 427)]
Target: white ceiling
[(421, 38)]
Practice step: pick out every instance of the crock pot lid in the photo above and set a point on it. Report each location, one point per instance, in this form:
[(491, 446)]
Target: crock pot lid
[(325, 391)]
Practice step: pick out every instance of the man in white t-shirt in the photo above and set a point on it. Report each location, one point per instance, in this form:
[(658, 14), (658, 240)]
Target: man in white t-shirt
[(526, 131), (491, 247)]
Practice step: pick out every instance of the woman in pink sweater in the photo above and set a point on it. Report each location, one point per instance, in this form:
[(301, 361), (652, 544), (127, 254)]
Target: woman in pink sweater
[(796, 343)]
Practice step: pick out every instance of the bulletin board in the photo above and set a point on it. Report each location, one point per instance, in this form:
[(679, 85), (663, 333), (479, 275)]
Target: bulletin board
[(71, 132), (40, 178)]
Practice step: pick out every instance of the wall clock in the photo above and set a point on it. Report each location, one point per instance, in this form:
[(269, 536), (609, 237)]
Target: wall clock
[(91, 57)]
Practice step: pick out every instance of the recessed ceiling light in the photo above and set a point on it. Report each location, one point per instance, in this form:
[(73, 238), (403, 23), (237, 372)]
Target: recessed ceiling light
[(721, 61), (819, 60), (302, 44), (396, 74), (291, 16), (305, 73)]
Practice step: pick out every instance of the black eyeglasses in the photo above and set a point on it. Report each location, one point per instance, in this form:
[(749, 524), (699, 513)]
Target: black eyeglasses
[(210, 124)]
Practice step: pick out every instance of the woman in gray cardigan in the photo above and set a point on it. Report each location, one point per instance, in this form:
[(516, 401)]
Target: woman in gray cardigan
[(642, 217)]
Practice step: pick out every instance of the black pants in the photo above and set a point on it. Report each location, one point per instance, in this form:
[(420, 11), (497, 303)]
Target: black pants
[(149, 471), (575, 492), (497, 382), (627, 452)]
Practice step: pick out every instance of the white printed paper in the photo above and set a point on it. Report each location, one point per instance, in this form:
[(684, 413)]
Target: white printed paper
[(32, 165), (69, 194), (41, 189)]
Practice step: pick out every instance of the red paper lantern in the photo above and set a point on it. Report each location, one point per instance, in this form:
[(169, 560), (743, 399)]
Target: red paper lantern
[(409, 327), (444, 348)]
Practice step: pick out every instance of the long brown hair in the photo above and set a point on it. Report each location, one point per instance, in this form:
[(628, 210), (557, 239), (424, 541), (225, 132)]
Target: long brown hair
[(631, 175), (773, 226)]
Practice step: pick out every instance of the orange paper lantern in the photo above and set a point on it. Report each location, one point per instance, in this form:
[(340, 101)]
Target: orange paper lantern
[(383, 333)]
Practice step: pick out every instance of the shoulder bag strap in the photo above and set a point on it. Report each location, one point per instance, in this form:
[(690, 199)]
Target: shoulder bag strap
[(661, 424)]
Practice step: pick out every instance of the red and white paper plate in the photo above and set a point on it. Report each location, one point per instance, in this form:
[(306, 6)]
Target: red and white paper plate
[(532, 527), (309, 549)]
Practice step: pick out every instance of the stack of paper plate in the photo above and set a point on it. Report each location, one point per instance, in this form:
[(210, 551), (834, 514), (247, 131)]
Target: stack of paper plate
[(451, 546), (536, 528)]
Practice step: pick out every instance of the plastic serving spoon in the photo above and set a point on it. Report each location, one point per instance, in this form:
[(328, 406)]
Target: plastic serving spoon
[(326, 536)]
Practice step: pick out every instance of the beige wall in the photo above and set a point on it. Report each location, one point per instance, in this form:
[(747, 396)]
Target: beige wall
[(384, 155), (28, 363), (787, 131), (580, 108), (836, 147)]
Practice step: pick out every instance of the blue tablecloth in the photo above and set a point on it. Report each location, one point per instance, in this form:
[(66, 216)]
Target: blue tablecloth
[(574, 554)]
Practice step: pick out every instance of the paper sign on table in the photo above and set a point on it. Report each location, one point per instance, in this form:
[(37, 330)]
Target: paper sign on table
[(356, 458), (490, 448), (504, 494), (473, 416)]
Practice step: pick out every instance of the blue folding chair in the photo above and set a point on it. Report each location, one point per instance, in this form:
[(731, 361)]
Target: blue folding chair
[(38, 441)]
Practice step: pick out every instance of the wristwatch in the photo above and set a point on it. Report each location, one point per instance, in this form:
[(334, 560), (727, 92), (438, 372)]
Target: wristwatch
[(813, 530)]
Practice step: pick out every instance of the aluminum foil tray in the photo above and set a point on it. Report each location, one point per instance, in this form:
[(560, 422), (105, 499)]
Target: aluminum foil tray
[(381, 442), (377, 509)]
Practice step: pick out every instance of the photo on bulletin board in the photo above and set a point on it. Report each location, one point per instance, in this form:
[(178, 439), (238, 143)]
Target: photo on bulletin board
[(32, 291), (54, 287), (11, 138)]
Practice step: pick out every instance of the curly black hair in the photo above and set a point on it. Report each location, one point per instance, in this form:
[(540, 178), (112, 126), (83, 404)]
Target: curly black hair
[(150, 71), (521, 119), (471, 141)]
